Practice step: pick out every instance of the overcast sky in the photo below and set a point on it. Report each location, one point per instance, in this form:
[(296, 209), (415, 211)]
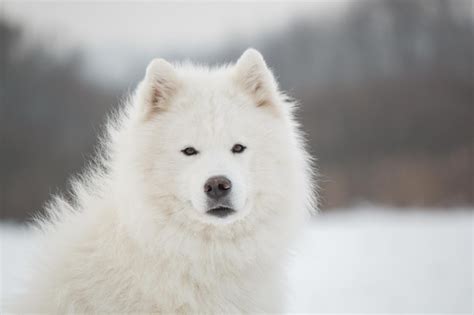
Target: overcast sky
[(112, 32)]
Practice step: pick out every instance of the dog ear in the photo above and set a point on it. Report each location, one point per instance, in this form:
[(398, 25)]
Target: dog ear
[(252, 73), (158, 87)]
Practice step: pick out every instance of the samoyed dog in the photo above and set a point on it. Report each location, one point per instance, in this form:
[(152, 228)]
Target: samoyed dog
[(202, 183)]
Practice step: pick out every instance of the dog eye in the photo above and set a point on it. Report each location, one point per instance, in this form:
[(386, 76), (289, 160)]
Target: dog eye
[(189, 151), (238, 148)]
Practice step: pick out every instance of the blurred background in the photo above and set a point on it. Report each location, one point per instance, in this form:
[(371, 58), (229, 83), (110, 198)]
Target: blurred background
[(386, 91), (386, 87)]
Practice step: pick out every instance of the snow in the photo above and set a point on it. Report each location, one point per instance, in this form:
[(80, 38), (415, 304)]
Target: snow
[(16, 244), (373, 260), (360, 260)]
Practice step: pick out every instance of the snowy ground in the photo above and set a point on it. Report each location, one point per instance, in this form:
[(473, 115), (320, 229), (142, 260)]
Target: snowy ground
[(363, 260)]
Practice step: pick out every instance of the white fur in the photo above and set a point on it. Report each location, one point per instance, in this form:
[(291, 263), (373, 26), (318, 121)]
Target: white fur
[(136, 237)]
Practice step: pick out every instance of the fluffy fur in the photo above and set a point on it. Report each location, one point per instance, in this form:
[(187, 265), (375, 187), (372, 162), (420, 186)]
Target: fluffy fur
[(137, 238)]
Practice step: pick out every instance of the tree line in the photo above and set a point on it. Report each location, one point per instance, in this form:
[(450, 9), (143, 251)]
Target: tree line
[(386, 97)]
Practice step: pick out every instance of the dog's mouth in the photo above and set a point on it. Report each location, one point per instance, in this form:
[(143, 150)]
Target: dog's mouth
[(220, 212)]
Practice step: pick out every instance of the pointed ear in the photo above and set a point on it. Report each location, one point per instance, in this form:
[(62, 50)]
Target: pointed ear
[(158, 87), (252, 73)]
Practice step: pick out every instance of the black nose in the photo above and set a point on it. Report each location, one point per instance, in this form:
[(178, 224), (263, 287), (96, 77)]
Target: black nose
[(217, 187)]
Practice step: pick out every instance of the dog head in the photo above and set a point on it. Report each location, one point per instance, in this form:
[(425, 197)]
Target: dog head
[(216, 145)]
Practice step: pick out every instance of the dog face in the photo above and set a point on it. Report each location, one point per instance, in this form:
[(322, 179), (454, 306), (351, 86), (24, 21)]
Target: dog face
[(217, 143)]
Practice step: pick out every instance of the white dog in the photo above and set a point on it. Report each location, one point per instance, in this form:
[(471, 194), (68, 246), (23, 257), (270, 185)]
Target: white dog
[(202, 182)]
